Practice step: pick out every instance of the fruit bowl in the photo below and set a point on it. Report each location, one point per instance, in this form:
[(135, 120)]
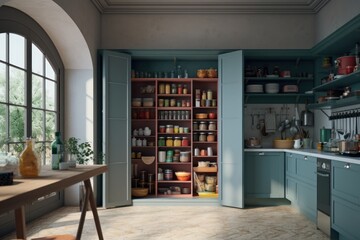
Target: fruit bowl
[(139, 192), (183, 176)]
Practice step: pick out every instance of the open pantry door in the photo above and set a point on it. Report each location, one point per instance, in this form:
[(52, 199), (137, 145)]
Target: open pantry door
[(231, 129), (116, 68)]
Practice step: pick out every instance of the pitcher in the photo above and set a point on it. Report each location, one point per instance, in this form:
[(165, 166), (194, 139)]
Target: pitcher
[(298, 143)]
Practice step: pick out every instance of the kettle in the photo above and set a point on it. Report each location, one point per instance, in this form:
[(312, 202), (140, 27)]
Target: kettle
[(307, 118)]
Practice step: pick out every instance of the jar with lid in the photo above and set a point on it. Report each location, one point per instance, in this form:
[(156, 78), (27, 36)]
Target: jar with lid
[(162, 129), (161, 88), (185, 142), (173, 88), (161, 102), (209, 94), (195, 126), (203, 126), (167, 88), (169, 128), (185, 89), (203, 96), (176, 129), (196, 137), (202, 137), (177, 142), (166, 102), (180, 89), (169, 142), (212, 126), (161, 141), (172, 102), (210, 137), (168, 174)]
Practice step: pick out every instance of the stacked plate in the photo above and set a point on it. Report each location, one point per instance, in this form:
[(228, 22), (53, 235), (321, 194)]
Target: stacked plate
[(272, 88), (254, 88)]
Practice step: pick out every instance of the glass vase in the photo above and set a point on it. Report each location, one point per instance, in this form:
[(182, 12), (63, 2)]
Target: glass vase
[(29, 161)]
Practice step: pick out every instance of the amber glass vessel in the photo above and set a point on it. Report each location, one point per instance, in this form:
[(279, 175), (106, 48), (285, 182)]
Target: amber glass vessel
[(29, 161)]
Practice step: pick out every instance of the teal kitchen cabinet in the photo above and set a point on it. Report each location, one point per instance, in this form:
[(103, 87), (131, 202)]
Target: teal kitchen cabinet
[(264, 175), (300, 183), (345, 199)]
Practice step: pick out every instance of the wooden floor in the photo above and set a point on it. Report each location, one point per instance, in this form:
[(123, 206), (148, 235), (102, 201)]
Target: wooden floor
[(181, 222)]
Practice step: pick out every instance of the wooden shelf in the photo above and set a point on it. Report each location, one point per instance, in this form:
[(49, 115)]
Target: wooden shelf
[(174, 147), (204, 142), (204, 119), (174, 95), (174, 181), (205, 169), (176, 134), (196, 157), (175, 195), (143, 107), (174, 108), (174, 163), (205, 108), (167, 120)]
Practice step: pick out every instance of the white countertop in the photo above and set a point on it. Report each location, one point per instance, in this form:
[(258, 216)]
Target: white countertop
[(309, 152)]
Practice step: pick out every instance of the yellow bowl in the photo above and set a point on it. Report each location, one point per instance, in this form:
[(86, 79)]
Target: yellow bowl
[(183, 176)]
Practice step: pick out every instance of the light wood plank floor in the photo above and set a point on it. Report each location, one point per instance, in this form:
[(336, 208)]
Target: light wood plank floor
[(181, 222)]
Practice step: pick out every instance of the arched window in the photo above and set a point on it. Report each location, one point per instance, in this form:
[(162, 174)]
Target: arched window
[(30, 84)]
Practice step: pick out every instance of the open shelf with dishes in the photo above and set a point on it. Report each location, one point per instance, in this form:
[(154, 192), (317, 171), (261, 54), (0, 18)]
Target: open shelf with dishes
[(170, 112)]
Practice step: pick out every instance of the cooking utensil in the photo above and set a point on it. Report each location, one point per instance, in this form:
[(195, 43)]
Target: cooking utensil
[(293, 129)]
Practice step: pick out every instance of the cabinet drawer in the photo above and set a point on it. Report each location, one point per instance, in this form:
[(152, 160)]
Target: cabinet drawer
[(345, 218), (345, 181)]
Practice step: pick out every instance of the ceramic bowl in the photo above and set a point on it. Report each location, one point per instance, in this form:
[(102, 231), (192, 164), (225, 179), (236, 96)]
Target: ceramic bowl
[(139, 192), (183, 176)]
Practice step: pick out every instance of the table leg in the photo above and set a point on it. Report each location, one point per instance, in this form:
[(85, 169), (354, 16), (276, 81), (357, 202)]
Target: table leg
[(20, 223), (89, 198)]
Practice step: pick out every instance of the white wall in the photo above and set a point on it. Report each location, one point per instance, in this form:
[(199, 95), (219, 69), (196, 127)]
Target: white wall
[(207, 31), (334, 15)]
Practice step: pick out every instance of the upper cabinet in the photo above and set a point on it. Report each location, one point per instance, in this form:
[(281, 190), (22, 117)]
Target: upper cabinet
[(278, 76)]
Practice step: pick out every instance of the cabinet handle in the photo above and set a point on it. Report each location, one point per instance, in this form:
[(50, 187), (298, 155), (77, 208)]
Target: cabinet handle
[(347, 166), (261, 154)]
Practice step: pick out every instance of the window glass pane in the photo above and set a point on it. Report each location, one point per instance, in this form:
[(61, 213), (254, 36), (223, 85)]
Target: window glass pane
[(37, 60), (37, 91), (50, 123), (2, 82), (49, 70), (3, 135), (3, 47), (17, 123), (17, 86), (50, 95), (17, 50), (16, 148), (38, 125)]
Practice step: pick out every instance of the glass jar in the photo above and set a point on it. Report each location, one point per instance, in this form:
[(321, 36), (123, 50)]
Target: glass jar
[(180, 89), (161, 142), (203, 126), (29, 161), (185, 142), (209, 94), (173, 88), (185, 90), (203, 96), (212, 126), (162, 129), (166, 102), (161, 102), (169, 129), (172, 102), (177, 142), (168, 174), (176, 129), (196, 137), (210, 137), (161, 88), (195, 126), (169, 142), (167, 88), (202, 137)]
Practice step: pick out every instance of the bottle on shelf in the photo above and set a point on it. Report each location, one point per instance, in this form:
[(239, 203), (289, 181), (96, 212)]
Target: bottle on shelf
[(57, 152)]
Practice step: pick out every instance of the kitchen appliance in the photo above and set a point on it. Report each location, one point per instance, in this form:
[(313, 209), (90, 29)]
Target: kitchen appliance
[(323, 195), (325, 134)]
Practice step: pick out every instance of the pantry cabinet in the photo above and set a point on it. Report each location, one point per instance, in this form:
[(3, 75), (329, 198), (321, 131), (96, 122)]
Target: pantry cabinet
[(264, 175), (122, 112), (301, 183), (345, 199)]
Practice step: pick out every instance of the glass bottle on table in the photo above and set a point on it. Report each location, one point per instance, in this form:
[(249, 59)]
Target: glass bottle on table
[(57, 152), (29, 161)]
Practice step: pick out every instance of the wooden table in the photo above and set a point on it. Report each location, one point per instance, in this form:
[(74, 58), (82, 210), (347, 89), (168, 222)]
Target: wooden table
[(25, 190)]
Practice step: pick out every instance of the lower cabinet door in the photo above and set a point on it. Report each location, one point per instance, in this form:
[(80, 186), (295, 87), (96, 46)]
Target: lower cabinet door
[(345, 218), (306, 200)]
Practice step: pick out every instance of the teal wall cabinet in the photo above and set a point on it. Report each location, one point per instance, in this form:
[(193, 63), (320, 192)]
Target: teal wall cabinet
[(301, 183), (345, 203), (264, 175)]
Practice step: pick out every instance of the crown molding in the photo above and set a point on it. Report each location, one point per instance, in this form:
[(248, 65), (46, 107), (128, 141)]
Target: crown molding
[(209, 6)]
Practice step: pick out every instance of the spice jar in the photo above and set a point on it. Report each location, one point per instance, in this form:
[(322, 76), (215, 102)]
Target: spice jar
[(169, 128), (169, 142), (172, 102), (210, 137), (185, 142), (195, 126), (162, 129), (173, 88), (180, 89), (167, 88), (161, 88), (177, 142), (185, 90), (161, 102), (209, 94), (196, 137), (161, 141), (203, 96), (203, 126), (212, 126), (176, 129), (166, 102), (168, 174), (202, 137)]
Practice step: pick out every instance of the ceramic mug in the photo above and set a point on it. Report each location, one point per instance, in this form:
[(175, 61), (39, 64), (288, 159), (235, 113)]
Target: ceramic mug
[(307, 142), (298, 143)]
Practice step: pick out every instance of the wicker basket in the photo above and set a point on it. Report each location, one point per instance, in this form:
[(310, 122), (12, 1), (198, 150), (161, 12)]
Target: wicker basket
[(283, 144)]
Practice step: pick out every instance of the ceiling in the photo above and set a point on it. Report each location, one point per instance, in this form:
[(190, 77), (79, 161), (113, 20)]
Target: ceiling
[(210, 6)]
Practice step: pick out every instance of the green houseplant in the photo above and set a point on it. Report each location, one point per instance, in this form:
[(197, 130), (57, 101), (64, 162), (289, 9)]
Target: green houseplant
[(82, 153)]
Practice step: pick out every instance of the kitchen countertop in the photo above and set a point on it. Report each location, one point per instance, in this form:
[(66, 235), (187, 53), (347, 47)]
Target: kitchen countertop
[(309, 152)]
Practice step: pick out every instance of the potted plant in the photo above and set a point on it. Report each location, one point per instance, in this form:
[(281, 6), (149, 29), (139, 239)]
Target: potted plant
[(80, 153)]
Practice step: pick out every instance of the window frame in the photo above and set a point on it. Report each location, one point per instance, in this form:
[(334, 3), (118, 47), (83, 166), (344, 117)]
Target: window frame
[(17, 22)]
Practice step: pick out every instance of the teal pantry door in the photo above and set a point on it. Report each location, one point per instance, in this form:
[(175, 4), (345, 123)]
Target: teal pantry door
[(231, 129), (116, 109)]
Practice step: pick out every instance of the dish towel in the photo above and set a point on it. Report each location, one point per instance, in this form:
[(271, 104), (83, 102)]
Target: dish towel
[(270, 122)]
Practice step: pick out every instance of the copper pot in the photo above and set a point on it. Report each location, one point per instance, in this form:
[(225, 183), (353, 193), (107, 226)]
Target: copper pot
[(212, 73), (342, 62)]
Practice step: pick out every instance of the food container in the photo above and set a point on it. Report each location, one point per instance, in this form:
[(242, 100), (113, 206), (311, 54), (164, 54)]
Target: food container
[(212, 126), (212, 115), (290, 89), (162, 156), (212, 73), (210, 187), (342, 62), (201, 115), (210, 180), (161, 142), (252, 142), (169, 142), (202, 137), (148, 102), (184, 156), (210, 137), (348, 147), (203, 126), (168, 174), (272, 88), (203, 163), (185, 142), (136, 102), (169, 129), (177, 142), (183, 176)]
